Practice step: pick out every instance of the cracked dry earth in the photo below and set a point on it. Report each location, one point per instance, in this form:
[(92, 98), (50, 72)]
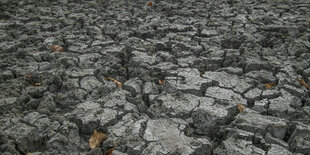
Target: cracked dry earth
[(185, 66)]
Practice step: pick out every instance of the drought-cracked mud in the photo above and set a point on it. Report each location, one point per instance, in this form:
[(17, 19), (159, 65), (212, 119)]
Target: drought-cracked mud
[(186, 67)]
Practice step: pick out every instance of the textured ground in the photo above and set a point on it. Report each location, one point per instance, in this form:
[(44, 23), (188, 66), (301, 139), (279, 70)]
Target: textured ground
[(185, 66)]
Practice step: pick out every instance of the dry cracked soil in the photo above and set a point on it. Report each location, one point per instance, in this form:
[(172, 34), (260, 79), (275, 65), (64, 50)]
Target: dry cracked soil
[(174, 77)]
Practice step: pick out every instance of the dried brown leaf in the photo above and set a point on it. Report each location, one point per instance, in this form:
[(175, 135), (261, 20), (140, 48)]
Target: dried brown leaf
[(119, 84), (96, 139), (241, 107), (29, 76), (57, 48), (269, 85), (36, 84), (109, 152), (302, 82), (161, 82), (150, 4)]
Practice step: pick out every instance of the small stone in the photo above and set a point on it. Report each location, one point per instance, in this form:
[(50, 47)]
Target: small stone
[(293, 90), (306, 72), (279, 107), (232, 70), (89, 116), (237, 146), (188, 80), (150, 88), (252, 121), (253, 94), (256, 65), (208, 33), (261, 106), (89, 83), (276, 149), (6, 75), (88, 60), (176, 141), (225, 94), (133, 85), (262, 76), (270, 93), (299, 140), (80, 73)]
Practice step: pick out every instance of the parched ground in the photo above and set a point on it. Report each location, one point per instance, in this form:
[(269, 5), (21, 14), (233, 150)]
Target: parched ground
[(167, 77)]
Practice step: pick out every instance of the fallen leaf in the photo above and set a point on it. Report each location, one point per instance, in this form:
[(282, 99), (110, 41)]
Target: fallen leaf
[(119, 84), (161, 82), (302, 82), (96, 139), (201, 74), (109, 152), (241, 107), (150, 4), (269, 85), (36, 84), (57, 48), (29, 76), (30, 80)]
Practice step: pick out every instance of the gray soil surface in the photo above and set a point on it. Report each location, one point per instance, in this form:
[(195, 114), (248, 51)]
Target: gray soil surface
[(186, 66)]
